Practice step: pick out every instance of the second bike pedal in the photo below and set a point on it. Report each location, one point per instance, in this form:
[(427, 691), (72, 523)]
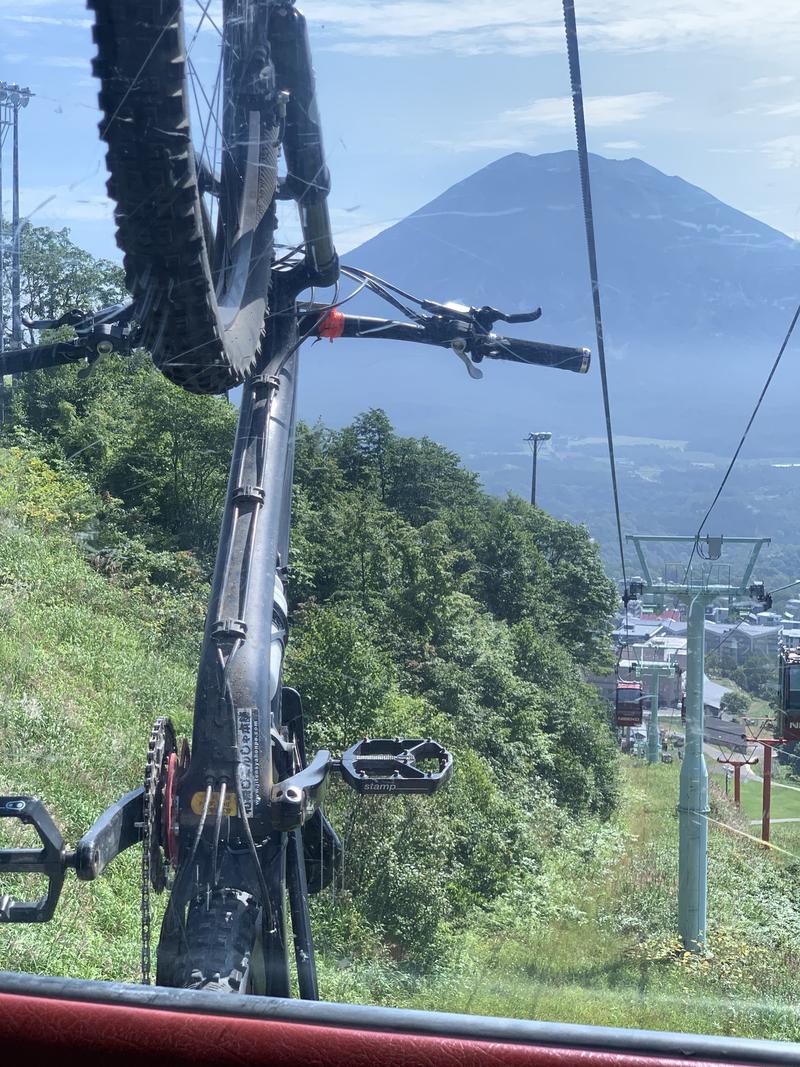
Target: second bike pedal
[(50, 860), (386, 766)]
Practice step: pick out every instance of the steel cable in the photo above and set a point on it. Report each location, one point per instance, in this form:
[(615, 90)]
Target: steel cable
[(573, 56)]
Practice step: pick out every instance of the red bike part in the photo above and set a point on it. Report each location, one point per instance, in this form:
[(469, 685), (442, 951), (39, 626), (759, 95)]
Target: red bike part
[(169, 836), (332, 325)]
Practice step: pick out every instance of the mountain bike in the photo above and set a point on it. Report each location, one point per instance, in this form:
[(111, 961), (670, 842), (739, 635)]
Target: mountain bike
[(232, 824)]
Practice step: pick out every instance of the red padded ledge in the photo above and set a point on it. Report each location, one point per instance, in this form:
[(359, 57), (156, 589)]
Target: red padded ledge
[(36, 1029)]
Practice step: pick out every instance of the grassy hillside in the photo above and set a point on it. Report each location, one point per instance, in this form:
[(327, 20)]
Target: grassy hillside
[(420, 607), (604, 950), (86, 665)]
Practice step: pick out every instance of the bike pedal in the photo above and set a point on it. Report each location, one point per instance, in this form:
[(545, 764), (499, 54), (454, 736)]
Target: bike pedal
[(386, 766), (49, 860)]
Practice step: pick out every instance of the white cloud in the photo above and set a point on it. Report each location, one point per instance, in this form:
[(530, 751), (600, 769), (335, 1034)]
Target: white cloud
[(484, 144), (783, 153), (785, 109), (78, 24), (600, 110), (527, 27), (516, 129), (771, 83), (43, 204)]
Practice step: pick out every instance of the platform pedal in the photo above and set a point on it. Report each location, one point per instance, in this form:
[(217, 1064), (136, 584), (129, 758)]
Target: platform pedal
[(50, 860), (383, 766)]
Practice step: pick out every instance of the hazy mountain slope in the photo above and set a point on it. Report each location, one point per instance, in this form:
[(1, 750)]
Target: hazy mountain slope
[(691, 289)]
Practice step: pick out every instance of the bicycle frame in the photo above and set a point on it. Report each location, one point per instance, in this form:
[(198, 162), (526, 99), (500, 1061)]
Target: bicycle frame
[(239, 712), (244, 741)]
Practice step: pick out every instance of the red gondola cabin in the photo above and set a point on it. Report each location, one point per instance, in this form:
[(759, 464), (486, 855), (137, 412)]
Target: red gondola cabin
[(629, 704), (788, 725)]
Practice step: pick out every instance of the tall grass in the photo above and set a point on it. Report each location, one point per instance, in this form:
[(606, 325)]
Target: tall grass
[(84, 671)]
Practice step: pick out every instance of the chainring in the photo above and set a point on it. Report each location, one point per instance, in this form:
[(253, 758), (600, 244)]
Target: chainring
[(163, 771), (161, 747), (176, 766)]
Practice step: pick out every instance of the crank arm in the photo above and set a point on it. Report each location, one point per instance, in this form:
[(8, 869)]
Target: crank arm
[(119, 827), (295, 799)]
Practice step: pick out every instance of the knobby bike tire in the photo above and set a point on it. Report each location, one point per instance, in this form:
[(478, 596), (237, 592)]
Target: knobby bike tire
[(202, 299), (220, 943)]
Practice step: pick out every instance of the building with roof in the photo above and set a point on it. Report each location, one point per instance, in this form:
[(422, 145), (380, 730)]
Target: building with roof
[(713, 693), (730, 736), (742, 639)]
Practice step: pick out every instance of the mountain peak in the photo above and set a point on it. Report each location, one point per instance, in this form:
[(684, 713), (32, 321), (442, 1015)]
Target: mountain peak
[(694, 293), (515, 228)]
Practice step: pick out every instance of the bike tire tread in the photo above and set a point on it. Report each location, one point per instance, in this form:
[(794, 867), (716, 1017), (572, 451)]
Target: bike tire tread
[(220, 940), (154, 183)]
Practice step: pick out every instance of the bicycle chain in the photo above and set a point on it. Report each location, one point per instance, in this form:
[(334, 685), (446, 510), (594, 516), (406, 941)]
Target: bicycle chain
[(154, 868)]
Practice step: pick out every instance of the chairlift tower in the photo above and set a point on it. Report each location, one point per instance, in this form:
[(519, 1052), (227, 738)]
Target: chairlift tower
[(700, 584), (654, 672), (12, 99)]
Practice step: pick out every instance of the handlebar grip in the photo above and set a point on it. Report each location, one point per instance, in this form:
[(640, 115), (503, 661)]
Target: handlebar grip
[(516, 350)]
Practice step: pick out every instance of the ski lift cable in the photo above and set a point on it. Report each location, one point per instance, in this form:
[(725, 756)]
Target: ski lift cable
[(743, 438), (730, 633), (583, 164)]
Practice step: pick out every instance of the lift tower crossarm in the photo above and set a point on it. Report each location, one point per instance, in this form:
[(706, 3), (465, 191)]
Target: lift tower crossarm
[(690, 586)]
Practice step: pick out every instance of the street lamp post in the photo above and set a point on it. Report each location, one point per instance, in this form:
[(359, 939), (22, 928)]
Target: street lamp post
[(533, 440), (12, 98)]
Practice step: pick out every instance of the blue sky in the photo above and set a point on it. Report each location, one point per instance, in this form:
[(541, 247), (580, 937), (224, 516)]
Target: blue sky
[(417, 94)]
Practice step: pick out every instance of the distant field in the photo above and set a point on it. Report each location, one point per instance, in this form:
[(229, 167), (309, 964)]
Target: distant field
[(785, 802)]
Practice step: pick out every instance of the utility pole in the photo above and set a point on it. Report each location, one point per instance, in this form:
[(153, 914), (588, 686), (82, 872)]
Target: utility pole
[(701, 585), (653, 754), (766, 796), (533, 440), (12, 98), (16, 314)]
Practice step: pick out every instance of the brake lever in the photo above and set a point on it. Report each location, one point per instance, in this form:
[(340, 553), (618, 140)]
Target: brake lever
[(85, 321), (487, 316), (70, 318), (483, 317), (523, 316)]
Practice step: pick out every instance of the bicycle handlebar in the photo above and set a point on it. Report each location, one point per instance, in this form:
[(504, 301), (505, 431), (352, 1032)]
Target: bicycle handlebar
[(318, 321), (109, 330), (515, 350)]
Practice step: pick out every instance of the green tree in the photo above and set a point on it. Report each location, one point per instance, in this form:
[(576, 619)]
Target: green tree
[(161, 451), (57, 275), (735, 704)]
